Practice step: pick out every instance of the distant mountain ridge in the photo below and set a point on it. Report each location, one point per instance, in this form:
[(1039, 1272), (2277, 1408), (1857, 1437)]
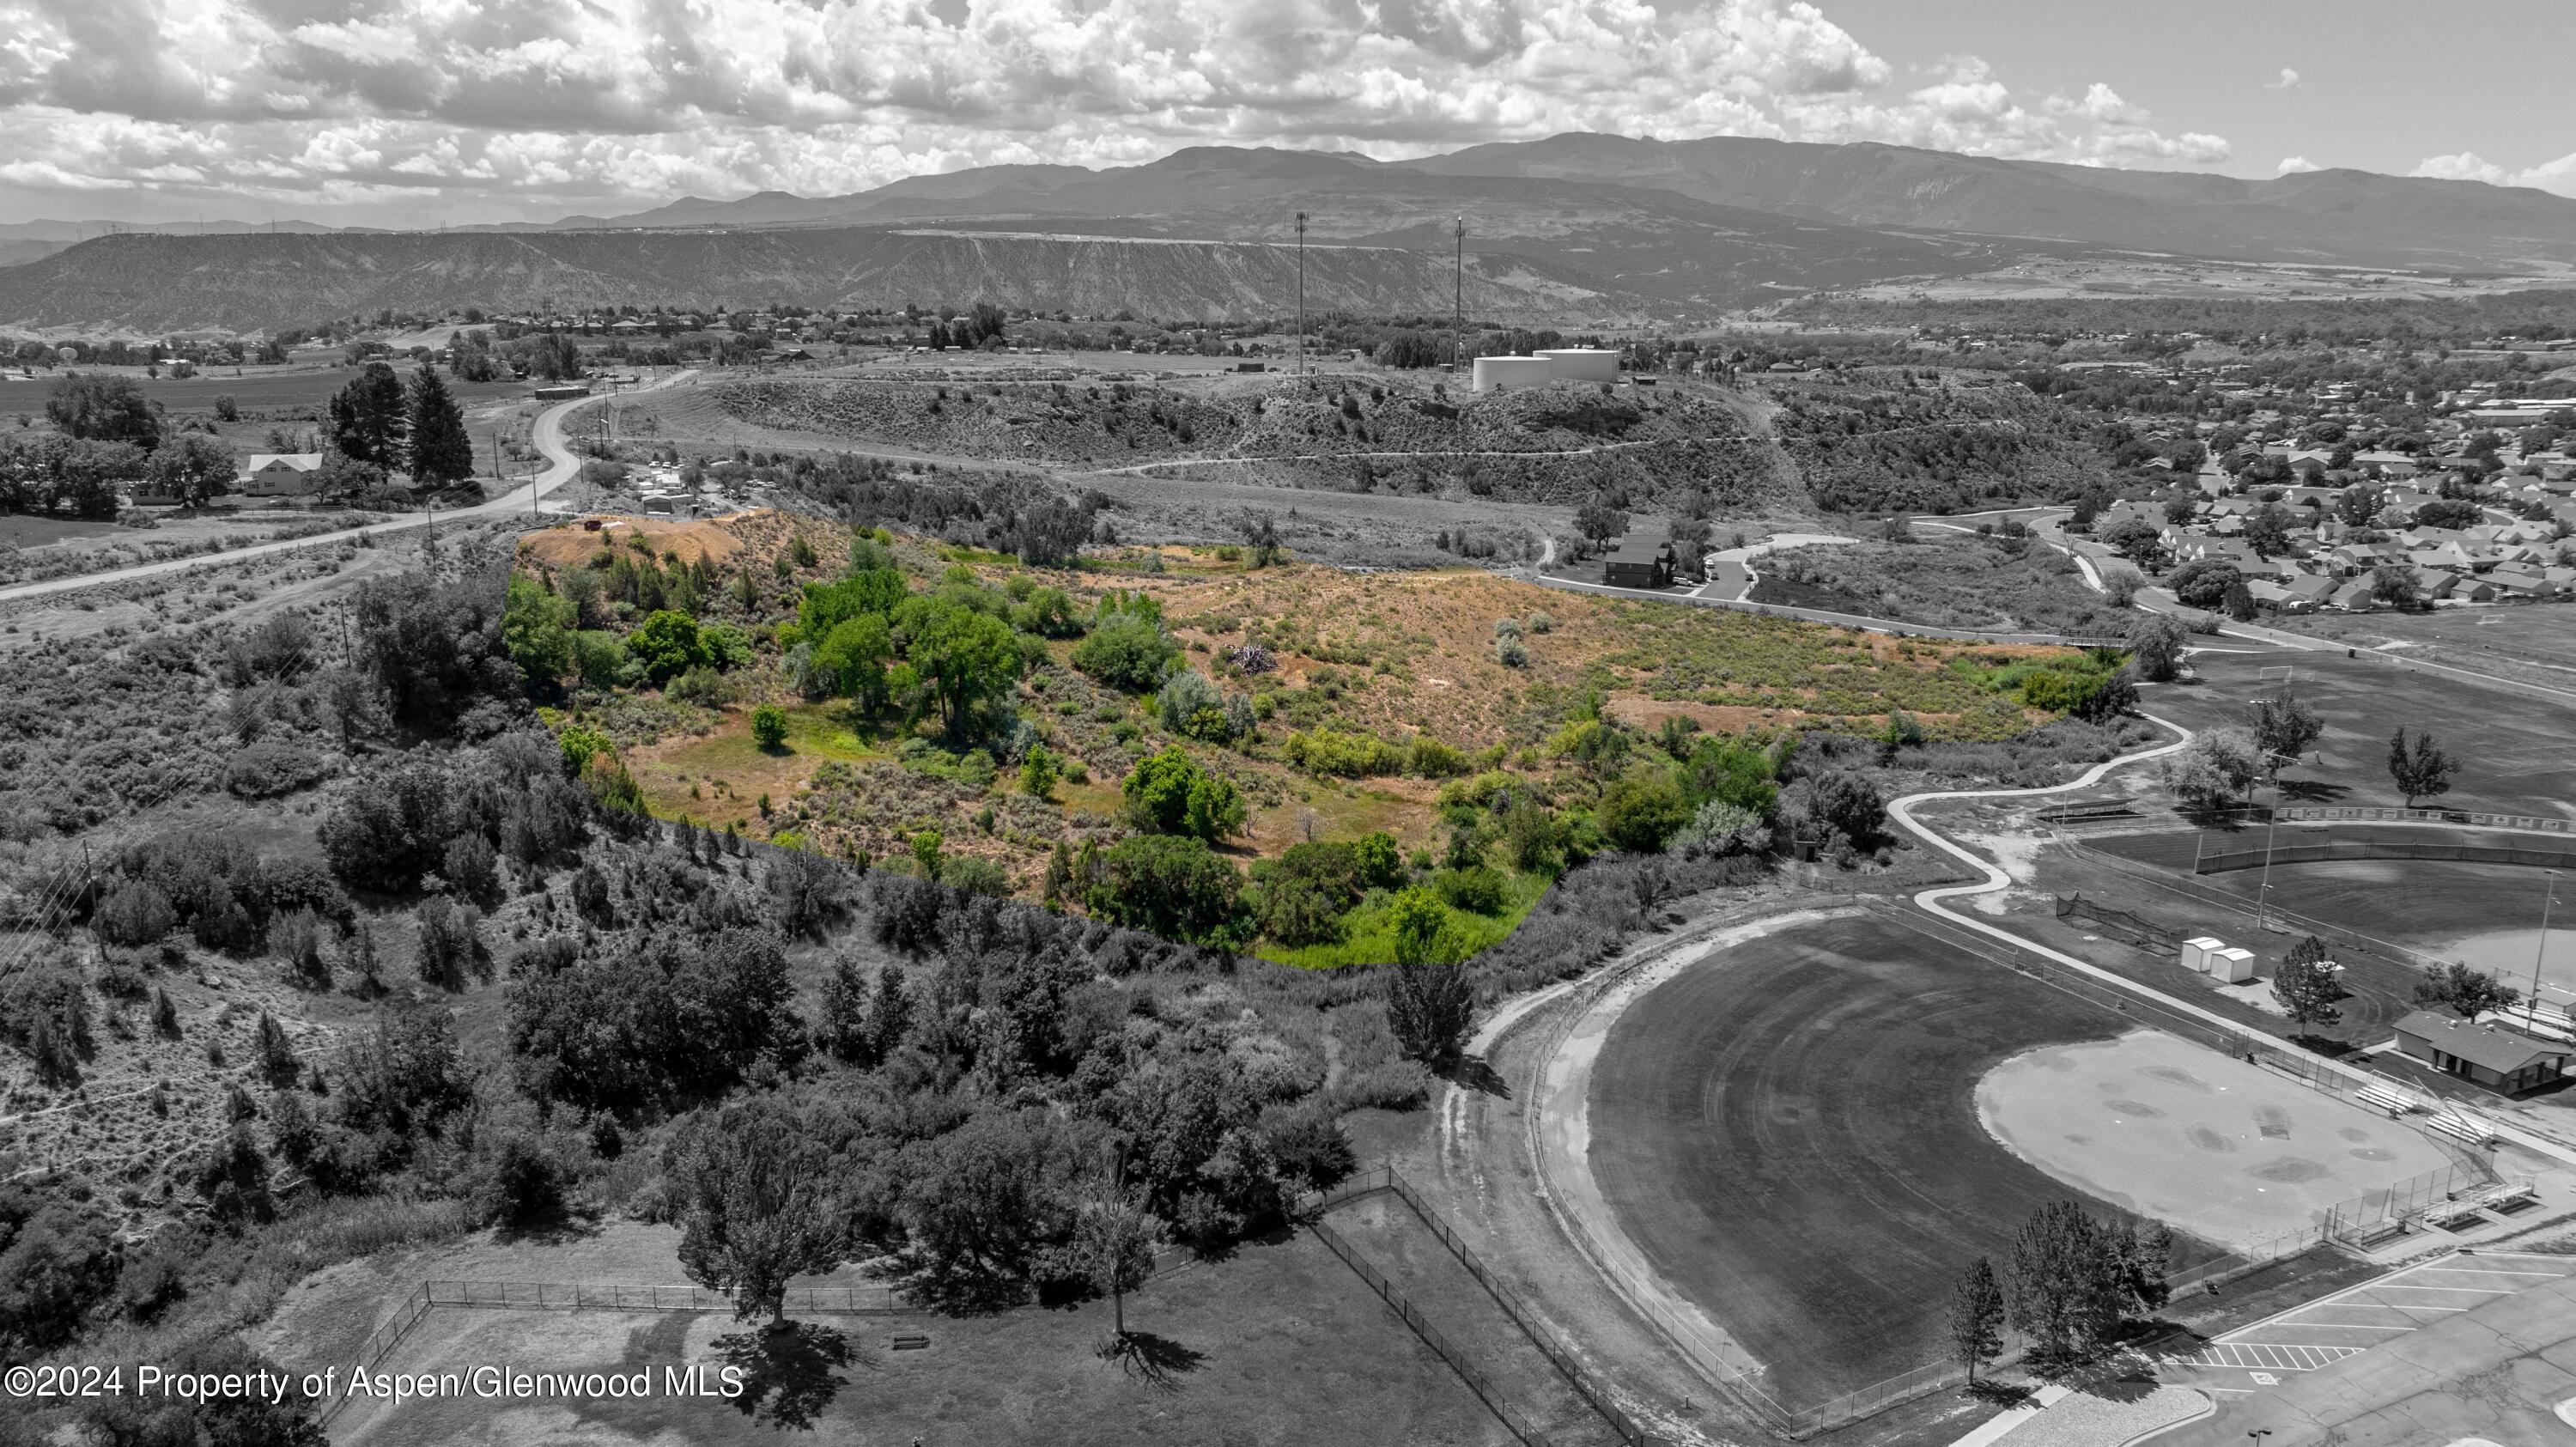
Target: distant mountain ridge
[(242, 283), (1597, 222)]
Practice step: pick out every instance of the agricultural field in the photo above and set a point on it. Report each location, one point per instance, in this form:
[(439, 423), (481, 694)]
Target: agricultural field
[(1461, 730), (1946, 579)]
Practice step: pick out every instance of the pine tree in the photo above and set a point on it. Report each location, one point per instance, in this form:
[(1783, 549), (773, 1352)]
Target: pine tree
[(843, 1030), (1977, 1316), (165, 1016), (2307, 985), (368, 418), (441, 453), (276, 1053), (889, 1014)]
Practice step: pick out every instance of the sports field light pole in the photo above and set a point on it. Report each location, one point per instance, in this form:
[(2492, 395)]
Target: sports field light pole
[(2540, 952), (1458, 300), (1301, 293), (2271, 822)]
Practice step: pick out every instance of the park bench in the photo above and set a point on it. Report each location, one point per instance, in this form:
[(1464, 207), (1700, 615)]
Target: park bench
[(2459, 1215)]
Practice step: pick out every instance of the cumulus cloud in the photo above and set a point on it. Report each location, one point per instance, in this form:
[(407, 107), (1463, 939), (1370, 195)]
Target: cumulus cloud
[(2290, 164), (2557, 176), (536, 108), (2288, 79)]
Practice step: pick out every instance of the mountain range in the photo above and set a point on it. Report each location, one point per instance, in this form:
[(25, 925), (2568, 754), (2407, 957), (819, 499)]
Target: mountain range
[(1575, 225)]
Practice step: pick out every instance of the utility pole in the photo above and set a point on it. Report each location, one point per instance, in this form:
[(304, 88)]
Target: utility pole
[(1301, 293), (1458, 301)]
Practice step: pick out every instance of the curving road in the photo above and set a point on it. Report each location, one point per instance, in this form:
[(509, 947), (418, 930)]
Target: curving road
[(1993, 880), (547, 433)]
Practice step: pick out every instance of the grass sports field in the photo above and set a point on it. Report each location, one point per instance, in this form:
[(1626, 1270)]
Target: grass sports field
[(1789, 1131), (2510, 748), (2228, 1151), (1281, 1344)]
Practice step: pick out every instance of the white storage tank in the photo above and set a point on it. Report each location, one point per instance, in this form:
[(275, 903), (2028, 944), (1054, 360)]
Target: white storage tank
[(2195, 953), (1581, 364), (1493, 374), (2232, 966)]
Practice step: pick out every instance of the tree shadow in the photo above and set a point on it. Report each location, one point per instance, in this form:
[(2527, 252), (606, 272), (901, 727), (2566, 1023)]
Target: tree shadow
[(2000, 1394), (787, 1371), (1476, 1073), (1157, 1361), (2313, 791)]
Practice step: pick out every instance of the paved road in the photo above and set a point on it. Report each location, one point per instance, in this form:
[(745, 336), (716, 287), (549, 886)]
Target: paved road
[(547, 434), (1733, 578)]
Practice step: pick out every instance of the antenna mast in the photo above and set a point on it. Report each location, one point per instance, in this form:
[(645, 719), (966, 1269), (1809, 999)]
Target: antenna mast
[(1301, 293)]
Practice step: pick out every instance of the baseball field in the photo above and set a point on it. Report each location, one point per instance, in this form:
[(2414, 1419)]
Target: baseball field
[(1788, 1130)]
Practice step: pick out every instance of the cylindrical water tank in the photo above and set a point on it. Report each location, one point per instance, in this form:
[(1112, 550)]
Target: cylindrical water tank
[(1497, 373), (1581, 364)]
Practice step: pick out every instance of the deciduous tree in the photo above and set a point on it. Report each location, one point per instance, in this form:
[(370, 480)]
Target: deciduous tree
[(755, 1201)]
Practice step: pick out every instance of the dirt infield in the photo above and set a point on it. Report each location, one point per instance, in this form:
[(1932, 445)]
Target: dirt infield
[(2510, 748), (2228, 1151), (1788, 1131)]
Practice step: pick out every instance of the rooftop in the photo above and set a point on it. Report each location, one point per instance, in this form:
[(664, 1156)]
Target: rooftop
[(2499, 1050)]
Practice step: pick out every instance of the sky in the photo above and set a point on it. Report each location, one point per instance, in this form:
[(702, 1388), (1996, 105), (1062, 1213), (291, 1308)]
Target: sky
[(417, 113)]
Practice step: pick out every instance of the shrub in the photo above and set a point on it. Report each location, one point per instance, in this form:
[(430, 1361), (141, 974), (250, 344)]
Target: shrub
[(1130, 654), (1641, 809), (1169, 793), (135, 912), (1350, 756), (1511, 653), (1539, 622), (1481, 889), (1174, 887), (268, 768), (1432, 759), (769, 725), (1193, 707)]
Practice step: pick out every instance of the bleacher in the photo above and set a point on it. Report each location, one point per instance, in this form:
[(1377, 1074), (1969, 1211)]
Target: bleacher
[(2460, 1125), (2388, 1098)]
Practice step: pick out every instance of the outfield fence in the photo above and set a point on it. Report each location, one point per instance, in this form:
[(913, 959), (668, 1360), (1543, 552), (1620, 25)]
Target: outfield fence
[(1386, 1180), (2322, 851), (2357, 814), (2348, 941)]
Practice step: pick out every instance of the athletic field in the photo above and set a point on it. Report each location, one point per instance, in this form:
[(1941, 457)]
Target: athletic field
[(2228, 1151), (2511, 748), (1788, 1130)]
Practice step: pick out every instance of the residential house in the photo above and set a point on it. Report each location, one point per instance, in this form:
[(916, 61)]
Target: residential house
[(2353, 597), (280, 474)]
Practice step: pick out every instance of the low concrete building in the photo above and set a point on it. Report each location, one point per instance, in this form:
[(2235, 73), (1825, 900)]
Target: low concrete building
[(2502, 1060)]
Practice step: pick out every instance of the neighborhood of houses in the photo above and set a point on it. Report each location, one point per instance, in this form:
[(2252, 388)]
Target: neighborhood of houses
[(2310, 545)]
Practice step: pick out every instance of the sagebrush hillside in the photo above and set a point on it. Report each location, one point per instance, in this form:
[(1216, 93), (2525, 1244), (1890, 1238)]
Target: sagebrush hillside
[(1032, 731)]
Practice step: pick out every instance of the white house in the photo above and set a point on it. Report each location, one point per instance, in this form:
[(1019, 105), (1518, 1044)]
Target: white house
[(280, 474)]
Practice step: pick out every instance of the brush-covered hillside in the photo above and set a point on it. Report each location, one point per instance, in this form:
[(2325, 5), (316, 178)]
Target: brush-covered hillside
[(1556, 445), (1180, 739)]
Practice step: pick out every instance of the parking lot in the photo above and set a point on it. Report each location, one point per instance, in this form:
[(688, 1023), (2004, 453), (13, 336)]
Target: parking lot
[(2356, 1319)]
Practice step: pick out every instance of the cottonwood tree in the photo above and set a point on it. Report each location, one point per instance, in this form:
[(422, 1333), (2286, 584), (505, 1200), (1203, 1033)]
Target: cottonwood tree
[(2308, 985), (2284, 727), (2217, 767), (194, 469), (2157, 642), (2423, 772), (1976, 1317), (755, 1202), (1428, 999), (2463, 991)]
